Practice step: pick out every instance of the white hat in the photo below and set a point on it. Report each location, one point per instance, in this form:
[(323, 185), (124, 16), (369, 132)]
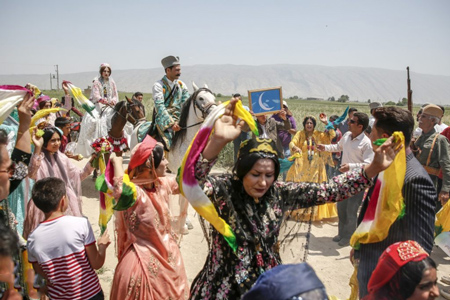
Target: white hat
[(285, 104), (374, 105)]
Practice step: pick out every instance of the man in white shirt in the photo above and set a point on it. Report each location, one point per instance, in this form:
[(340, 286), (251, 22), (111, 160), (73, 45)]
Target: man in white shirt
[(356, 152), (169, 94)]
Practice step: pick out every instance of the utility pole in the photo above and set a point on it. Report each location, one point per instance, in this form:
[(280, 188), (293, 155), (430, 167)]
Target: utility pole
[(57, 77), (50, 81)]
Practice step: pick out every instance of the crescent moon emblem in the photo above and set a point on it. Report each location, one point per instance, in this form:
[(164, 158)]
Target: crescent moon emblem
[(262, 104)]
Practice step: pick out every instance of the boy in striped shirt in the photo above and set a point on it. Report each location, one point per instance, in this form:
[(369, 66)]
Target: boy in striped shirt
[(62, 248)]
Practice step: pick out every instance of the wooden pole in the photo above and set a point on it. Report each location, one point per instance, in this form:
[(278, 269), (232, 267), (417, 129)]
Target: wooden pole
[(410, 102)]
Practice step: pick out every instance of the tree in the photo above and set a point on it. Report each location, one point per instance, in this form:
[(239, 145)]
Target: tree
[(343, 98), (331, 98), (389, 103), (219, 95), (402, 102), (368, 101)]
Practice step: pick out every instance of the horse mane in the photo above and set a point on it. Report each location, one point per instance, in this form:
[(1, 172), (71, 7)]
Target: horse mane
[(119, 105), (139, 104), (180, 135)]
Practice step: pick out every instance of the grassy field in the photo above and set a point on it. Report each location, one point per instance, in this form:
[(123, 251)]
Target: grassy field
[(299, 108)]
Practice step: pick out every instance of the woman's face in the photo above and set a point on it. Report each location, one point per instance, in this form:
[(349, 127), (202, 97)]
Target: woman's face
[(427, 288), (309, 126), (162, 168), (47, 105), (106, 72), (260, 178), (54, 143)]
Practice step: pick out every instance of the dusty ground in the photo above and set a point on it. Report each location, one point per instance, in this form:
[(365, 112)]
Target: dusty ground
[(330, 261)]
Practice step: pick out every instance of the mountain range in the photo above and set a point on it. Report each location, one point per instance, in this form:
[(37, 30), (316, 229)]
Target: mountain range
[(303, 81)]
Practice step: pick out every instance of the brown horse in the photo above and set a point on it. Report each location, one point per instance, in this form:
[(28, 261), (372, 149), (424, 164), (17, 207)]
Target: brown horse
[(130, 110)]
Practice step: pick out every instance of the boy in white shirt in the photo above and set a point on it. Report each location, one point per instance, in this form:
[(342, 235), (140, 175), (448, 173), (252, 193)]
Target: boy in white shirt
[(62, 248)]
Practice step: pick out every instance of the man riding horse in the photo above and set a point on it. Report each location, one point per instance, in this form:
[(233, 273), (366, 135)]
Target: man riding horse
[(169, 94)]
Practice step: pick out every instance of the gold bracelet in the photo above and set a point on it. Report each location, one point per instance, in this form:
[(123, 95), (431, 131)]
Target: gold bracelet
[(19, 132)]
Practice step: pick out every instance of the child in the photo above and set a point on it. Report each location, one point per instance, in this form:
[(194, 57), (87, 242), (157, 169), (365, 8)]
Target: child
[(62, 248)]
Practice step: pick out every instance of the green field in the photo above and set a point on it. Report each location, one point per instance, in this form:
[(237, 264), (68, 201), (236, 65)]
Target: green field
[(299, 108)]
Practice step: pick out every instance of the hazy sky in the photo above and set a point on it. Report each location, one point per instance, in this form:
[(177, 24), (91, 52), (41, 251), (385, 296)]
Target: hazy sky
[(80, 35)]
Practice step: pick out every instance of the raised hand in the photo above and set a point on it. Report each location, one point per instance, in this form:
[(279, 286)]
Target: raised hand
[(227, 128), (384, 155), (38, 141), (323, 118)]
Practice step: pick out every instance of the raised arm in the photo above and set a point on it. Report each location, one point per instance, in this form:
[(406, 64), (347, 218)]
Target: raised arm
[(341, 187), (23, 142), (226, 129)]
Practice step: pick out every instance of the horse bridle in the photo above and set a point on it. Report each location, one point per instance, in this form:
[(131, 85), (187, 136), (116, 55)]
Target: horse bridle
[(203, 109)]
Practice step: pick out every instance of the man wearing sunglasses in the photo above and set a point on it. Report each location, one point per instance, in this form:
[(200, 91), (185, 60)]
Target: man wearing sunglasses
[(356, 152)]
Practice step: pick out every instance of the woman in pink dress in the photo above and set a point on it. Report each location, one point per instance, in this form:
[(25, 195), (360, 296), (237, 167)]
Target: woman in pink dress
[(150, 262), (48, 161)]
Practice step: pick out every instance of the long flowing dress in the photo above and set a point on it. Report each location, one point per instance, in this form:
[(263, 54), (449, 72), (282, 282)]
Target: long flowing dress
[(97, 125), (55, 165), (311, 167), (150, 262), (227, 274)]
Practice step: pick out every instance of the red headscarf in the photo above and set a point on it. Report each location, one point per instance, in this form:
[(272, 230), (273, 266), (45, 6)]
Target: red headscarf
[(141, 152), (393, 258)]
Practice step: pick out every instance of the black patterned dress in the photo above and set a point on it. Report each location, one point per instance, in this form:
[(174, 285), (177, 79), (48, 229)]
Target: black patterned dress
[(227, 274)]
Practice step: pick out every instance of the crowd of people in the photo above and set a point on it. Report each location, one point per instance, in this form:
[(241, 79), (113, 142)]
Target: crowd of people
[(48, 249)]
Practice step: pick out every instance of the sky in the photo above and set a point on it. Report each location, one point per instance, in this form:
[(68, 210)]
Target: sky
[(80, 35)]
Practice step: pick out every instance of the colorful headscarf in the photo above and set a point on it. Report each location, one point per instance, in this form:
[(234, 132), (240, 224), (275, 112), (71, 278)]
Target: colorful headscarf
[(10, 97), (188, 184), (392, 260)]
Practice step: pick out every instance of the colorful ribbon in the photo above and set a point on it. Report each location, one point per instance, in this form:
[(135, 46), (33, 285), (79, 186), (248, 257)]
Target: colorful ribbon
[(386, 202), (82, 100), (188, 184)]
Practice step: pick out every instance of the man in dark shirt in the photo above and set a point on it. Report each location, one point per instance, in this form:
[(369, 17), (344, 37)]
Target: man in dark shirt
[(418, 192)]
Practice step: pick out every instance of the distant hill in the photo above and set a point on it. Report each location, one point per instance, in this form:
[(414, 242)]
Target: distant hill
[(305, 81)]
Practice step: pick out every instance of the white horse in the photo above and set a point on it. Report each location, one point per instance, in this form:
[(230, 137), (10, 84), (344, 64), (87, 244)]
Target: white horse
[(193, 113)]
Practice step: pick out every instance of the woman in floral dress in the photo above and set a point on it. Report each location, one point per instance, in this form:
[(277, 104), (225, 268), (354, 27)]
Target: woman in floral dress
[(311, 165), (253, 203)]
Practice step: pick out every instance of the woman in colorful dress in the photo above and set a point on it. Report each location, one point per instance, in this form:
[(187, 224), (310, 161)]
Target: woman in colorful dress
[(104, 95), (253, 203), (48, 161), (311, 165), (150, 262)]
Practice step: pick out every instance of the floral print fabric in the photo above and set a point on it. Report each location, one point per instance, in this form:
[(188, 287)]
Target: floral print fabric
[(228, 275)]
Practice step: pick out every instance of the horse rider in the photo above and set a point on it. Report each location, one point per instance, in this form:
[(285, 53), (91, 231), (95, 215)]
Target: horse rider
[(169, 94)]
